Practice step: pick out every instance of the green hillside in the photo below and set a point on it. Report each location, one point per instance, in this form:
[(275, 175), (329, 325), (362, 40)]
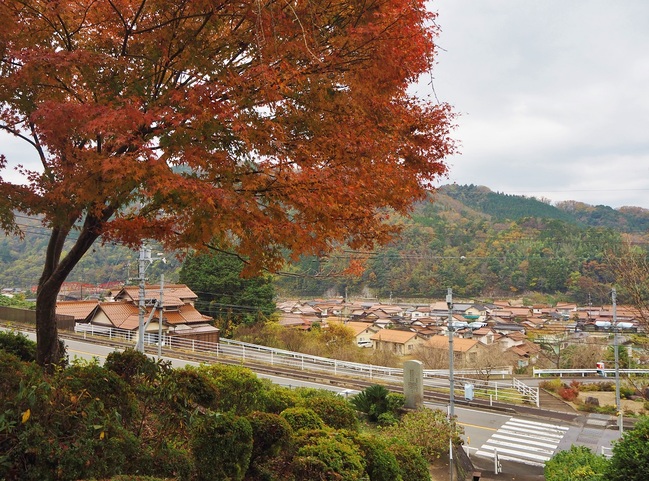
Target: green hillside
[(480, 243)]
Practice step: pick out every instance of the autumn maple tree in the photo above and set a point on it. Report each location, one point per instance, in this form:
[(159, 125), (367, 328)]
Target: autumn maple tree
[(264, 128)]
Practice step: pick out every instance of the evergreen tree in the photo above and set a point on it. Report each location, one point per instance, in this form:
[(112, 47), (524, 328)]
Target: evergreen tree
[(223, 293)]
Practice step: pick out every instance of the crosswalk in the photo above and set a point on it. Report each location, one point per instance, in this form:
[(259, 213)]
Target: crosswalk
[(524, 441)]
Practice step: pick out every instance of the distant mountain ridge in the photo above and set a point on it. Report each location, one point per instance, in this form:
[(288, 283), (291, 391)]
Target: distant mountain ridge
[(501, 207)]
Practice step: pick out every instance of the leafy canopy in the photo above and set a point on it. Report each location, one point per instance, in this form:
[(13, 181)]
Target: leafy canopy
[(263, 128)]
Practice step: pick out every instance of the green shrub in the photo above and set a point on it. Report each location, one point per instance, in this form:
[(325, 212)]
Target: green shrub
[(239, 389), (187, 388), (381, 464), (578, 463), (630, 461), (300, 418), (328, 457), (428, 429), (627, 392), (373, 401), (387, 419), (275, 399), (84, 383), (131, 363), (17, 343), (221, 445), (412, 464), (334, 411), (552, 385), (271, 433), (164, 459)]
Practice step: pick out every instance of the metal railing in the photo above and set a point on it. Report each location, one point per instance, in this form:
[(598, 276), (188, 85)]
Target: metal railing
[(585, 372), (511, 391)]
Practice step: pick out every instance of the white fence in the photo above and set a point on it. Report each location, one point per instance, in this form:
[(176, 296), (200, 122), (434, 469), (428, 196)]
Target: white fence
[(511, 391), (585, 372)]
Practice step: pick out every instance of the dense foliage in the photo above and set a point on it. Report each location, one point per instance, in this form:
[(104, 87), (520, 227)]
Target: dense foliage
[(630, 461), (137, 416), (578, 463), (223, 294), (255, 128), (524, 246)]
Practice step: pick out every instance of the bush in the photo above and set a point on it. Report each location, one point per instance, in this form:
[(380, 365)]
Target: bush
[(428, 429), (381, 464), (568, 394), (239, 389), (85, 383), (328, 456), (18, 344), (373, 401), (553, 385), (300, 418), (412, 464), (275, 399), (334, 411), (578, 463), (627, 392), (131, 363), (270, 433), (187, 387), (221, 446), (630, 461)]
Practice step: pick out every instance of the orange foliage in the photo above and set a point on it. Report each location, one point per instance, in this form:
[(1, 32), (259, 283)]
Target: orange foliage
[(260, 127)]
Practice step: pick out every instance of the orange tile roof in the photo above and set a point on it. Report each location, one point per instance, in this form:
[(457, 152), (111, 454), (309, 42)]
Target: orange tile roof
[(78, 309), (392, 335), (171, 291), (459, 344)]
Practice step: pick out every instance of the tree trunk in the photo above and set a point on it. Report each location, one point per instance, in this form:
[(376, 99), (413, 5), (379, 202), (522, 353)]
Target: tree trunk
[(47, 337), (55, 272)]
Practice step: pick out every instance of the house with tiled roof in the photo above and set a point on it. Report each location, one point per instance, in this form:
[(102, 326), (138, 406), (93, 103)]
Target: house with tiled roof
[(176, 317), (464, 350), (399, 342), (77, 309), (174, 294), (524, 354), (485, 335), (363, 332)]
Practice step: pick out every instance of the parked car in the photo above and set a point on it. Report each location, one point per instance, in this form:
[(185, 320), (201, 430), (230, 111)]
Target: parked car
[(477, 325), (455, 325)]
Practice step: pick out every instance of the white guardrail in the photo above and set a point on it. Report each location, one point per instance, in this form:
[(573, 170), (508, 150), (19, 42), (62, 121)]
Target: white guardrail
[(511, 391), (585, 372)]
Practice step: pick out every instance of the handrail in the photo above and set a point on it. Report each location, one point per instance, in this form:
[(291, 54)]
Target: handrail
[(586, 372)]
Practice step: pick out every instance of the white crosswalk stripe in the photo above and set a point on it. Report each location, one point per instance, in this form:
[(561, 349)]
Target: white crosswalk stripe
[(524, 441)]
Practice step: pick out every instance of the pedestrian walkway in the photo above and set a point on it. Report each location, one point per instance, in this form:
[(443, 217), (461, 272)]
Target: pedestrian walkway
[(597, 432), (520, 440)]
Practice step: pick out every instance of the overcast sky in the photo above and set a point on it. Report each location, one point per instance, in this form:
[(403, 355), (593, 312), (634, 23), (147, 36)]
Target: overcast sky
[(553, 96)]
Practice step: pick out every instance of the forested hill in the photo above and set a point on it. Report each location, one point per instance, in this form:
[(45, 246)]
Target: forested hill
[(500, 206), (484, 245), (480, 243)]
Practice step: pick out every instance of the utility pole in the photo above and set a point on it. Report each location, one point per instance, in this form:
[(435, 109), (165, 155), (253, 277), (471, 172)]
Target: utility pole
[(616, 345), (143, 262), (451, 380), (162, 290)]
